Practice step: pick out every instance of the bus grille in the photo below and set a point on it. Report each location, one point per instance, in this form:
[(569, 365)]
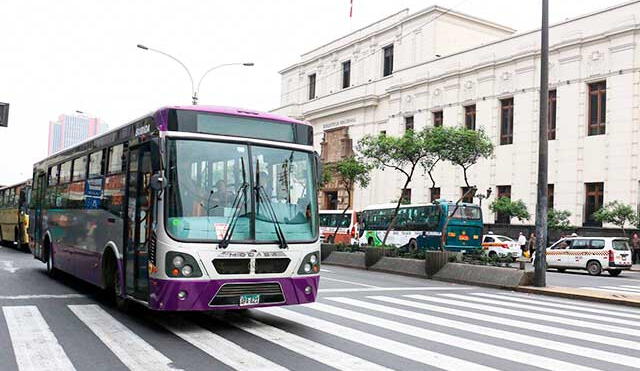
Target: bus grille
[(278, 265), (229, 293), (231, 266)]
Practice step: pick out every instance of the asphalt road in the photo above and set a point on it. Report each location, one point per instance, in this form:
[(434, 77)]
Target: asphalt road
[(362, 321)]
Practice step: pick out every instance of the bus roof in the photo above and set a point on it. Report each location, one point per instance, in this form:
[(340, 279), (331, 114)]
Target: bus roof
[(393, 205), (24, 183), (238, 112), (335, 211)]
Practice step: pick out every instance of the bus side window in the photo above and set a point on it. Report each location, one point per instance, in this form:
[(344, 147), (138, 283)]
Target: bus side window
[(1, 199)]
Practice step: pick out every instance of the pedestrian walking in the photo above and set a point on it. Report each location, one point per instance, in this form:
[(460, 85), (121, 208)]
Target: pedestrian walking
[(532, 244), (635, 244), (522, 241)]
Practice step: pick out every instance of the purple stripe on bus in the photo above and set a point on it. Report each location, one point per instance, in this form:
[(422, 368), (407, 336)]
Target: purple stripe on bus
[(164, 293)]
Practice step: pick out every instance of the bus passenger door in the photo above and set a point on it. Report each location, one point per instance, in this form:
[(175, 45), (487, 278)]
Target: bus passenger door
[(138, 222), (35, 215)]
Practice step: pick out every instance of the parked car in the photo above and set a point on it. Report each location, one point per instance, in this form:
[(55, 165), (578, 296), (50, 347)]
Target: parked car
[(595, 254), (495, 245)]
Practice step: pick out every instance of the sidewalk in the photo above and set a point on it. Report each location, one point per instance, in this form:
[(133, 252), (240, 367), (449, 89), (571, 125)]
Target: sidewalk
[(635, 267), (584, 294)]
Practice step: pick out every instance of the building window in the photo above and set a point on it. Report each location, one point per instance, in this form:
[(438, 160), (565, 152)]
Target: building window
[(468, 198), (550, 189), (506, 121), (387, 52), (437, 118), (594, 197), (346, 74), (435, 193), (551, 115), (503, 191), (405, 198), (470, 117), (408, 123), (331, 200), (312, 86), (597, 107)]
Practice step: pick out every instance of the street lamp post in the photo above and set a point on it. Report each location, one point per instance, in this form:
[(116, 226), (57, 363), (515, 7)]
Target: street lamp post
[(481, 196), (194, 89)]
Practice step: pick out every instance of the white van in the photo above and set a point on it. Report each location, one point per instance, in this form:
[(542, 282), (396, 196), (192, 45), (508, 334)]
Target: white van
[(595, 254)]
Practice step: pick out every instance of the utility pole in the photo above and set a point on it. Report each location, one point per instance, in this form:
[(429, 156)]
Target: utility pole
[(543, 153)]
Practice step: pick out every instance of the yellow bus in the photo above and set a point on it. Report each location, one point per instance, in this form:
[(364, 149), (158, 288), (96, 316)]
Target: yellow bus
[(14, 217)]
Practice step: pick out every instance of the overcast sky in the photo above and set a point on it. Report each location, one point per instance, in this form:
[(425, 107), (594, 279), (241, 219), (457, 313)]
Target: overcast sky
[(61, 56)]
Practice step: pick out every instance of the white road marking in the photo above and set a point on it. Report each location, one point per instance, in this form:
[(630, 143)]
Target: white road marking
[(617, 291), (558, 312), (374, 289), (572, 307), (558, 346), (130, 348), (34, 345), (581, 303), (325, 270), (622, 288), (218, 347), (310, 349), (45, 296), (377, 342), (443, 307), (452, 340), (631, 287), (349, 282), (7, 265), (600, 326)]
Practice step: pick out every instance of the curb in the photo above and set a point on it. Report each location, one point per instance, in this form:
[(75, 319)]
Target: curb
[(578, 295)]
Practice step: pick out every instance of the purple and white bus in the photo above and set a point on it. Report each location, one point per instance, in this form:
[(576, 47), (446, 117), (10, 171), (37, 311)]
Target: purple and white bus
[(187, 208)]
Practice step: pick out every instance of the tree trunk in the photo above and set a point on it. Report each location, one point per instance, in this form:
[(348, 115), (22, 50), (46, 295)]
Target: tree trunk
[(464, 172), (433, 182), (395, 212), (335, 233)]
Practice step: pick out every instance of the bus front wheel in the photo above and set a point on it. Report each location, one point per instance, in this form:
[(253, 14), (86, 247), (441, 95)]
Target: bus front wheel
[(413, 245), (113, 282), (370, 241), (51, 269)]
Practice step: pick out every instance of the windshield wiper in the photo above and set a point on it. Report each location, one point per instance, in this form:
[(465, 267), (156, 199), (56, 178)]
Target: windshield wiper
[(269, 207), (240, 193)]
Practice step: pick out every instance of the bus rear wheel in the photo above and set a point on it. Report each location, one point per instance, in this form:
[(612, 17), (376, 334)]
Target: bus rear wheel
[(51, 269), (413, 245), (370, 241)]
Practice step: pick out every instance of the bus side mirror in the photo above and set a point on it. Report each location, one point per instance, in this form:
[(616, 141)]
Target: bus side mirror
[(157, 182)]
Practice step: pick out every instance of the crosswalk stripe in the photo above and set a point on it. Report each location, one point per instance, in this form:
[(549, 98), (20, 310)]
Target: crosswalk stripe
[(501, 320), (562, 313), (496, 333), (631, 286), (218, 347), (451, 340), (310, 349), (348, 282), (573, 307), (377, 342), (130, 348), (526, 314), (373, 289), (615, 309), (34, 344)]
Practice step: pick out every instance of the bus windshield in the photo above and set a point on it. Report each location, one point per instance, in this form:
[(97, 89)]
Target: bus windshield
[(209, 182), (335, 220), (465, 212)]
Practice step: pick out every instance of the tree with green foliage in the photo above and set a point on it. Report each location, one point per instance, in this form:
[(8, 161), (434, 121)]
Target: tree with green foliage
[(558, 219), (616, 213), (513, 209), (403, 154), (462, 147), (349, 172)]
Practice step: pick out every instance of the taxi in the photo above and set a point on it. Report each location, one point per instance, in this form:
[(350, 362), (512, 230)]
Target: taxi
[(594, 254)]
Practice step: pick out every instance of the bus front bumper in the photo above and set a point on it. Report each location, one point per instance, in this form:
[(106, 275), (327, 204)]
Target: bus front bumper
[(198, 295)]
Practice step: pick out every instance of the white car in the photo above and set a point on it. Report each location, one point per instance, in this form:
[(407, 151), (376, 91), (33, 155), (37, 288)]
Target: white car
[(495, 245), (595, 254)]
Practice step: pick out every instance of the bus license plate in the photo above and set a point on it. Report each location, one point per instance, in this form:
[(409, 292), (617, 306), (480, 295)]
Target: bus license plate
[(464, 238), (249, 299)]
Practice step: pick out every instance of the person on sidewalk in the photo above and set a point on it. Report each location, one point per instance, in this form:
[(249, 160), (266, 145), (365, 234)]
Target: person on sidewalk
[(532, 244), (522, 241), (635, 244)]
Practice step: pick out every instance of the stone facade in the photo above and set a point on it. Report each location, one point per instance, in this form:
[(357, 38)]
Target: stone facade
[(449, 61)]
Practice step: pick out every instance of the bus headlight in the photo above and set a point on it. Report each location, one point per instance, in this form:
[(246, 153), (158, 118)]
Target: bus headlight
[(178, 264), (187, 270), (310, 263)]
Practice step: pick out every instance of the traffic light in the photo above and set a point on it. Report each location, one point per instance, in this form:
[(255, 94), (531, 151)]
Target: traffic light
[(4, 114)]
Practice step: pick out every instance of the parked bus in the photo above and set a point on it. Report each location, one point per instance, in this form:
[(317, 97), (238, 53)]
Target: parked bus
[(187, 208), (347, 224), (14, 218), (419, 226)]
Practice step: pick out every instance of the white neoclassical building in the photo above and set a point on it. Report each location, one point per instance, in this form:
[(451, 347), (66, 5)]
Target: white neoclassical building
[(440, 67)]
